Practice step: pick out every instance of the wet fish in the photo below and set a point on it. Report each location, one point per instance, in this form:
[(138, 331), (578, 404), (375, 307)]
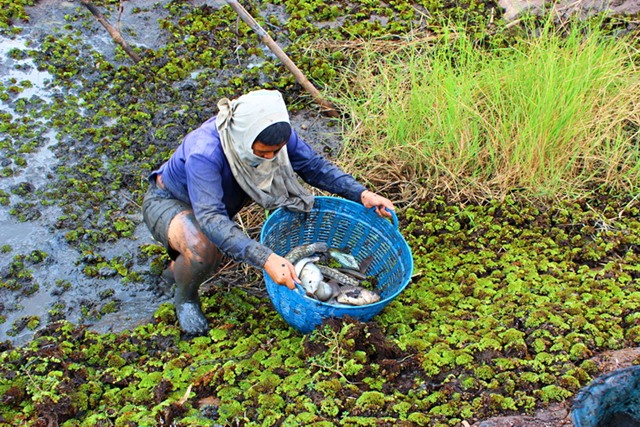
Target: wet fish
[(327, 290), (299, 265), (310, 277), (354, 295), (353, 273), (341, 278), (365, 264), (344, 259), (338, 288), (299, 252)]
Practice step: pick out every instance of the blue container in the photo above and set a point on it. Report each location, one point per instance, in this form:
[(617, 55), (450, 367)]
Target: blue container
[(347, 226), (610, 400)]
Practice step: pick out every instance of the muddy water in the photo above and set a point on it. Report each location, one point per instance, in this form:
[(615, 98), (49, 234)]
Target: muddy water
[(63, 291), (59, 289)]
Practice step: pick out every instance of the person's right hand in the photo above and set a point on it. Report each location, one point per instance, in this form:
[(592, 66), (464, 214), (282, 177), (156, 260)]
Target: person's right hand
[(281, 271), (370, 200)]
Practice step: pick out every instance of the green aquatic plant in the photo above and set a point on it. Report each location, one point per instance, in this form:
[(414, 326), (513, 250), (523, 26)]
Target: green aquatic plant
[(13, 12), (507, 304)]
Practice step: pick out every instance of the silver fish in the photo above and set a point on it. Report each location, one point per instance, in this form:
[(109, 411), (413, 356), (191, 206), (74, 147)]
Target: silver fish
[(346, 260), (327, 290), (311, 277), (353, 273), (299, 265), (365, 264), (353, 295), (341, 278), (313, 281), (299, 252)]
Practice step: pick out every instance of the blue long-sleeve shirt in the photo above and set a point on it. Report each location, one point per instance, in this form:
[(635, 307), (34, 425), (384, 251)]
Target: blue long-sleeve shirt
[(199, 174)]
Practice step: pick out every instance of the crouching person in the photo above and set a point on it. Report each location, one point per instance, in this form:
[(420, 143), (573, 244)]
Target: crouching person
[(247, 153)]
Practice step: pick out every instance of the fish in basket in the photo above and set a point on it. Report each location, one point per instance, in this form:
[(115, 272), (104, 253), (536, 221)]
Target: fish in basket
[(340, 284), (348, 233)]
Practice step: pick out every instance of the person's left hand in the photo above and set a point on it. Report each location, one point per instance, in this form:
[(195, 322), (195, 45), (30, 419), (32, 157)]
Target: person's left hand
[(370, 199)]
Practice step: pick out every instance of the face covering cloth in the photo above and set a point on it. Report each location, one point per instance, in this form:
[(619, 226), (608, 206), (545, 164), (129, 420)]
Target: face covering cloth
[(271, 183)]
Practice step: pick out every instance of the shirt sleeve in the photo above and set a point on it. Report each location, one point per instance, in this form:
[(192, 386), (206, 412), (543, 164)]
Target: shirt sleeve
[(319, 172), (204, 181)]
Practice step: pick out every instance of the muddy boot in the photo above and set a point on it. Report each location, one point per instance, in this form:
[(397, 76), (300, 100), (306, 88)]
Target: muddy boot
[(164, 284), (168, 277), (187, 302)]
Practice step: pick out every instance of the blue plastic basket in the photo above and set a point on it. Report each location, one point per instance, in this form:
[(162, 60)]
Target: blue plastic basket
[(613, 396), (347, 226)]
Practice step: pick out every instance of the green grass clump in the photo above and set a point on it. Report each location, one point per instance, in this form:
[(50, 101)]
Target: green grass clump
[(555, 112)]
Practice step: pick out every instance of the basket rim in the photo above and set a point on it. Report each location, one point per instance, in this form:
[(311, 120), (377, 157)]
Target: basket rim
[(586, 400), (357, 206)]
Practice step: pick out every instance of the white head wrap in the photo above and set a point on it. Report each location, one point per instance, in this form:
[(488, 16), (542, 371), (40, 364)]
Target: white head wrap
[(269, 182)]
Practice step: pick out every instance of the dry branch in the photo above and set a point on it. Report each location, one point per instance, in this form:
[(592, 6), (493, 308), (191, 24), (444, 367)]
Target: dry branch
[(328, 109), (115, 34)]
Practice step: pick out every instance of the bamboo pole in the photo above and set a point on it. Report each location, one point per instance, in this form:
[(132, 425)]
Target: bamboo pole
[(327, 108)]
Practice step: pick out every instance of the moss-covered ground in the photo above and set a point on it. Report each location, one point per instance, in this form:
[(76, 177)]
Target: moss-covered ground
[(508, 303)]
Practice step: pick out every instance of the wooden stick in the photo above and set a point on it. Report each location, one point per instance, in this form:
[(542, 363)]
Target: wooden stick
[(115, 34), (328, 109)]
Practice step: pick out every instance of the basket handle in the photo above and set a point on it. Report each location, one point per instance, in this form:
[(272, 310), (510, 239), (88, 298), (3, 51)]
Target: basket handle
[(394, 218), (299, 289)]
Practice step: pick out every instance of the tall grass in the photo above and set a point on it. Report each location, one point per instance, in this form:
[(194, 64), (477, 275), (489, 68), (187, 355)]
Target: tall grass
[(554, 114)]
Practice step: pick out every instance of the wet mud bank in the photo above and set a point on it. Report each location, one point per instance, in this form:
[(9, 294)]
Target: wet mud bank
[(41, 272), (51, 265)]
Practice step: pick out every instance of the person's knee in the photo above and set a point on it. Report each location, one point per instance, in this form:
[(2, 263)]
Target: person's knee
[(186, 237), (203, 253)]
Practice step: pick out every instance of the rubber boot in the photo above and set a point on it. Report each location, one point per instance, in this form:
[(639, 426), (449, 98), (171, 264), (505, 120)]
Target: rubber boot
[(190, 272), (189, 276), (187, 302), (168, 277), (166, 282)]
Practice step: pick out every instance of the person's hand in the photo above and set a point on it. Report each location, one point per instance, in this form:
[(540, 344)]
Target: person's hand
[(281, 271), (370, 199)]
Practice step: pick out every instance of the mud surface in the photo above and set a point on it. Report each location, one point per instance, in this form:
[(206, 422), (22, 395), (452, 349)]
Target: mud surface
[(514, 9)]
